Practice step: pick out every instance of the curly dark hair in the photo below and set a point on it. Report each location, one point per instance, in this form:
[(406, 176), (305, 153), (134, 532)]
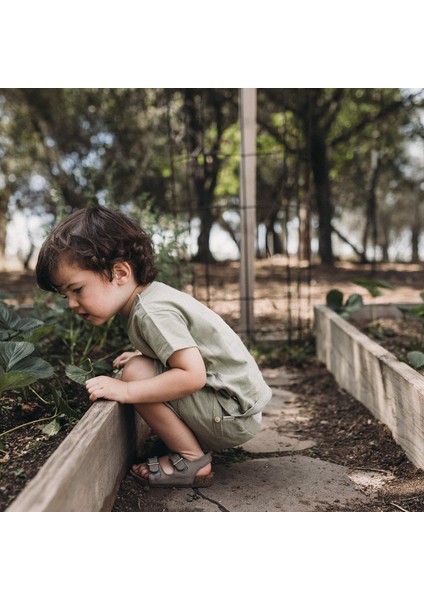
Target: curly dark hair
[(96, 239)]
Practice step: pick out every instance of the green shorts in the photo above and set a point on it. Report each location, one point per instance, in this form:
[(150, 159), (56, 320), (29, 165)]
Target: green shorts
[(213, 417)]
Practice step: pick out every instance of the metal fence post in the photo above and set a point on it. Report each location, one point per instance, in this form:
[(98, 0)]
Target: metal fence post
[(247, 209)]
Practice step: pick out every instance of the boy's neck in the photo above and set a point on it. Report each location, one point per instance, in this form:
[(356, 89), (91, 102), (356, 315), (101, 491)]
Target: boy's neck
[(126, 309)]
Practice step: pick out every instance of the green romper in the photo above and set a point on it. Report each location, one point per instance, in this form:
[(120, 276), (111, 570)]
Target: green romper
[(227, 411)]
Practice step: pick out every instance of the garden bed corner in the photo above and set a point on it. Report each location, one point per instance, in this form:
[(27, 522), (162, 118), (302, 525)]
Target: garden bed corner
[(391, 390), (84, 473)]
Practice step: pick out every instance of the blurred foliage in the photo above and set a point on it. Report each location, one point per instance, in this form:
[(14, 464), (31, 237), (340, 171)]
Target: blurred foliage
[(177, 152)]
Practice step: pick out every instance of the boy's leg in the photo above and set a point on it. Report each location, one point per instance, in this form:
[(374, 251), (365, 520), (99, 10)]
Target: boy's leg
[(163, 421)]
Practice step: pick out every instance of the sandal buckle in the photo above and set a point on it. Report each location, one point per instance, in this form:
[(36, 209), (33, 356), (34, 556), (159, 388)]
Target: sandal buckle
[(176, 459)]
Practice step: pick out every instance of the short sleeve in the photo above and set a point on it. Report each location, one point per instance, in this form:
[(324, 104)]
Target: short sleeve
[(166, 332)]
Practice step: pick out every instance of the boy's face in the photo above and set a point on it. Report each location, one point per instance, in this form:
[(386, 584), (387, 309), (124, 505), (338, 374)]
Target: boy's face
[(91, 295)]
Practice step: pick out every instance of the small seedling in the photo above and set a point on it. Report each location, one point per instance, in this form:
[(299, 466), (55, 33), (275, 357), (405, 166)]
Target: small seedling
[(335, 301)]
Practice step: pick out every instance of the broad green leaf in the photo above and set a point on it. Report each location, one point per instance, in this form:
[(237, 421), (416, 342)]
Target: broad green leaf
[(11, 321), (334, 299), (28, 323), (8, 317), (38, 333), (417, 311), (416, 359), (354, 302), (405, 309), (15, 380), (37, 366), (372, 285), (12, 353), (51, 428), (77, 374)]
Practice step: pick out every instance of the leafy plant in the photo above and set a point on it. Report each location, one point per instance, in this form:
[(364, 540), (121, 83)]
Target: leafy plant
[(415, 357), (416, 311), (15, 327), (19, 367), (335, 301), (78, 374), (373, 285)]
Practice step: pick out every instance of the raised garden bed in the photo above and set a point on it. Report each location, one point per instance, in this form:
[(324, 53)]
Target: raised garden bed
[(391, 390), (85, 471)]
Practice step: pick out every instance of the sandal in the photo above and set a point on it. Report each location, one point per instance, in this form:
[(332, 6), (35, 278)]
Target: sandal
[(184, 474)]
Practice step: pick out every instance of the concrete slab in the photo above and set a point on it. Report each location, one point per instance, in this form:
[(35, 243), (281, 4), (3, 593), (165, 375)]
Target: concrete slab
[(279, 484), (279, 377), (284, 481), (269, 440), (370, 481), (280, 413)]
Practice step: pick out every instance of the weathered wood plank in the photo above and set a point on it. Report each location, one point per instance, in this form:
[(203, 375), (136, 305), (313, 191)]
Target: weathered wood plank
[(390, 389), (84, 473)]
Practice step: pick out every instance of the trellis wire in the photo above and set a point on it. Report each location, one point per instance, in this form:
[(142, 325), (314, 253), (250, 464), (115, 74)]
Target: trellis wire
[(208, 280)]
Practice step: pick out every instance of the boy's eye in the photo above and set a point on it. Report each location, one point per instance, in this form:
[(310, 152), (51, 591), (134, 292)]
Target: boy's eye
[(77, 290)]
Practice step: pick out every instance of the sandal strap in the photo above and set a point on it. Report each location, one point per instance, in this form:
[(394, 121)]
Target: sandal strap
[(178, 462), (154, 467), (184, 475)]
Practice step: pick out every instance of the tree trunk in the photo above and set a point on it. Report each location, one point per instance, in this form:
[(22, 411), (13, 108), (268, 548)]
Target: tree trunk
[(204, 168), (320, 171), (274, 243), (204, 254), (415, 238), (4, 201)]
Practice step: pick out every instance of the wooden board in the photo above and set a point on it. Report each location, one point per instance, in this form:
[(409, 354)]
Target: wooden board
[(84, 473), (391, 390)]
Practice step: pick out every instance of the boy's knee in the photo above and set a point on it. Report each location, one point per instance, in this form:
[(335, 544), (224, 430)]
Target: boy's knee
[(138, 367)]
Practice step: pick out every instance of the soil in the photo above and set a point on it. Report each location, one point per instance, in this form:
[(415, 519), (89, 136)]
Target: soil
[(347, 432)]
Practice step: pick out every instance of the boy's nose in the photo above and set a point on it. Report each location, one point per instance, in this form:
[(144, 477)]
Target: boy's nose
[(72, 303)]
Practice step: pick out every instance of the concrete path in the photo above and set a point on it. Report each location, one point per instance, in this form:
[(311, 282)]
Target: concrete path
[(278, 474)]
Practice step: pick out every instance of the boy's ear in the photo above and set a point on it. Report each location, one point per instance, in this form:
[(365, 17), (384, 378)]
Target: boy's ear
[(121, 272)]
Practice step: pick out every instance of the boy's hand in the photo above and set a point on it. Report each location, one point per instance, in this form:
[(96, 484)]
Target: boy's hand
[(108, 388), (123, 358)]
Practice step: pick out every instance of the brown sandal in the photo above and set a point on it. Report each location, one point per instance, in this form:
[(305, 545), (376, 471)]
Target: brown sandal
[(184, 474)]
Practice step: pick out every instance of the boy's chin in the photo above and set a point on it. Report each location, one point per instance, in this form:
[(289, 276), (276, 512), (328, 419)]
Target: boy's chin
[(95, 321)]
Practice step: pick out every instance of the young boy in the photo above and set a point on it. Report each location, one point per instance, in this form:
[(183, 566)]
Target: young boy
[(190, 378)]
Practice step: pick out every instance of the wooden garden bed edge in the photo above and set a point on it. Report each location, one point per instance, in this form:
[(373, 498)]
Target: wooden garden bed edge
[(389, 388), (85, 471)]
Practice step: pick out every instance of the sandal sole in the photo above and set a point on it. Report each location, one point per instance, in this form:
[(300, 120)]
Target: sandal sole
[(197, 482)]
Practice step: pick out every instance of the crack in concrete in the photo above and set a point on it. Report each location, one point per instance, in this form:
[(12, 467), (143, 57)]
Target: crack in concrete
[(218, 504)]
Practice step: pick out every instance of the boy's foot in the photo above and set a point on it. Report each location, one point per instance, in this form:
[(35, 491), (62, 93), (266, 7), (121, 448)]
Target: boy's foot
[(174, 471)]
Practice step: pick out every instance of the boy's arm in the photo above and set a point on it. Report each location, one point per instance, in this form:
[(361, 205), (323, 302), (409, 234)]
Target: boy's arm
[(186, 375)]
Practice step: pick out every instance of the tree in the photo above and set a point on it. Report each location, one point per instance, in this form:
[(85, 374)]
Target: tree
[(328, 119)]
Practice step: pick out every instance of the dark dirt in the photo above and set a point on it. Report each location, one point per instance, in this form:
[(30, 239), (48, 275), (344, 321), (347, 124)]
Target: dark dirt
[(347, 432), (24, 450)]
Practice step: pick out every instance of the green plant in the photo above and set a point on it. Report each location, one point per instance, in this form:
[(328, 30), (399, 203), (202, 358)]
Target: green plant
[(78, 374), (20, 367), (335, 301), (373, 287), (335, 298), (416, 357), (15, 327)]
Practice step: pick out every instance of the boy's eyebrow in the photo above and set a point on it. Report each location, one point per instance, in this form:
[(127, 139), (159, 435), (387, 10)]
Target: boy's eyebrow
[(66, 287)]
